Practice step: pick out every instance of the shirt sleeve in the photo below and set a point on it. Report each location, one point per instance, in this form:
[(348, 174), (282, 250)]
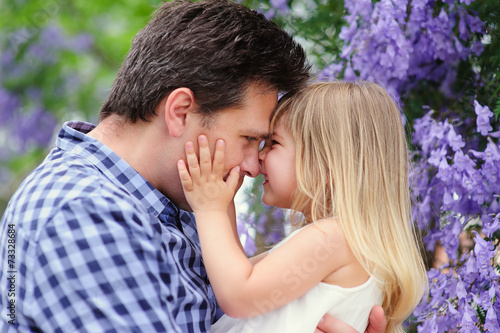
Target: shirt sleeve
[(99, 266)]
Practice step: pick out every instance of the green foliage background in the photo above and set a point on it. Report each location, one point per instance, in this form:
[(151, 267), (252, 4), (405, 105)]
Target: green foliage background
[(111, 26)]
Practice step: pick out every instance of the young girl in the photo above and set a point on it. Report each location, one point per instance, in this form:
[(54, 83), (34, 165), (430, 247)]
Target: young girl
[(338, 155)]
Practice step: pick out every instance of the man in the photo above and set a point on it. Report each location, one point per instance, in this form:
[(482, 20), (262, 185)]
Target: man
[(104, 238)]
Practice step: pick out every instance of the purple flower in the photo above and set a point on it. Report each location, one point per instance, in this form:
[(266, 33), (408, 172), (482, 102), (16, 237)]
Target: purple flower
[(492, 227), (281, 6), (429, 326), (349, 74), (445, 172), (461, 292), (82, 42), (7, 58), (468, 321), (35, 129), (483, 118), (250, 247), (9, 104), (331, 72), (491, 323), (437, 156), (462, 26), (477, 47), (492, 152), (261, 222), (463, 162), (274, 236), (52, 37), (475, 24), (471, 265), (243, 224)]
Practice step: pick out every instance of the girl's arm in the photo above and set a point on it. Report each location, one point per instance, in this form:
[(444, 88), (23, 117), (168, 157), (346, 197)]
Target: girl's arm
[(243, 289), (231, 212)]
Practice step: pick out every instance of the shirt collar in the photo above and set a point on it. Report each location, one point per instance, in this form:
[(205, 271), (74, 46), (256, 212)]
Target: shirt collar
[(73, 138)]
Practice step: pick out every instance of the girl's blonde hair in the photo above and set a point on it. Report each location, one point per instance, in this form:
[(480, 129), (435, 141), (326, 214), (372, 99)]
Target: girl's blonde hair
[(352, 163)]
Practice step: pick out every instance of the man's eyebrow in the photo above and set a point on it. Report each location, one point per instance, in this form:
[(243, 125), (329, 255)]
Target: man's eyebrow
[(259, 134)]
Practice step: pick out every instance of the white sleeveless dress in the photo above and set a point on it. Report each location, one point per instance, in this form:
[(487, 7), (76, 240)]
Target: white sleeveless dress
[(302, 315)]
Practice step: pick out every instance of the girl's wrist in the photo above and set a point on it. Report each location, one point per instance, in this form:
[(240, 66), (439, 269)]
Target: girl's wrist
[(209, 213)]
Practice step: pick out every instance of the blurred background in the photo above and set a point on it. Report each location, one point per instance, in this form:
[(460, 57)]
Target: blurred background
[(439, 59), (58, 61)]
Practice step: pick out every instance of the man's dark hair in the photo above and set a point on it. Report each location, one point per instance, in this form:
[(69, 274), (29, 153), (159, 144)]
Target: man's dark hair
[(213, 47)]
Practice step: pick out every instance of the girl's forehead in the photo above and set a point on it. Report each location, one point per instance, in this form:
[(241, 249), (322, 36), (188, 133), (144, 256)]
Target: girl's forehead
[(279, 129), (278, 122)]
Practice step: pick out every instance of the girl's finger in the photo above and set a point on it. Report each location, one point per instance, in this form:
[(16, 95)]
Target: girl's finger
[(192, 162), (205, 158), (218, 167), (233, 178), (186, 181)]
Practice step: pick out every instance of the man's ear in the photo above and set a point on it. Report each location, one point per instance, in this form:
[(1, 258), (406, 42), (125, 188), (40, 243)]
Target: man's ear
[(178, 105)]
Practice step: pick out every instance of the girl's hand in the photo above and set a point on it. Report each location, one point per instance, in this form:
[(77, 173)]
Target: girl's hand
[(204, 186)]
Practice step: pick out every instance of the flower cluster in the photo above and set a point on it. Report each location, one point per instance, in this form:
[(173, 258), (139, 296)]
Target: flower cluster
[(399, 43), (404, 45), (456, 191)]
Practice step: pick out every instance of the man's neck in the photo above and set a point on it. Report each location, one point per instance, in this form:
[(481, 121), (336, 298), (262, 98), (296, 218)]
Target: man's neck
[(145, 147), (130, 141)]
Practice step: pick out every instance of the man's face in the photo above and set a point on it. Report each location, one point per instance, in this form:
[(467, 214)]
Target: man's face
[(242, 129)]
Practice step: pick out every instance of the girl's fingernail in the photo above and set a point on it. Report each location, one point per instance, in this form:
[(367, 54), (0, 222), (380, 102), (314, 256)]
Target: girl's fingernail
[(220, 142)]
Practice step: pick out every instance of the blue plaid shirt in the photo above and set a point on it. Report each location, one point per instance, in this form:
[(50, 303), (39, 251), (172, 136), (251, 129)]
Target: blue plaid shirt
[(99, 249)]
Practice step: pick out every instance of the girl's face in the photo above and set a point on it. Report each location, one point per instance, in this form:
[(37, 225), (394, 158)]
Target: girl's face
[(278, 167)]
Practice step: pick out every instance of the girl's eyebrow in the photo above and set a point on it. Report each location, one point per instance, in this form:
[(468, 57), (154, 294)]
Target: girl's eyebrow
[(275, 134)]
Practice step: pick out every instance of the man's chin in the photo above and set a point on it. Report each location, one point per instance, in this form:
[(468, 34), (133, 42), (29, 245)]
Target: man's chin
[(185, 206)]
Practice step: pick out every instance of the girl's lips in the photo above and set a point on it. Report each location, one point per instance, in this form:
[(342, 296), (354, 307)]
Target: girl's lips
[(265, 182)]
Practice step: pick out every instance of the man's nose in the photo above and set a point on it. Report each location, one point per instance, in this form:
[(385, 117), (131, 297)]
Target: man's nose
[(250, 165)]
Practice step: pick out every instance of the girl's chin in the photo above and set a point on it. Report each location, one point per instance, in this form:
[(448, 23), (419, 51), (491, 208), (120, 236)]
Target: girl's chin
[(266, 199)]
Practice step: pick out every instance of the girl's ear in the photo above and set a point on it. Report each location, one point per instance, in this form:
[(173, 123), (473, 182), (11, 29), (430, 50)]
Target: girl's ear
[(179, 105)]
